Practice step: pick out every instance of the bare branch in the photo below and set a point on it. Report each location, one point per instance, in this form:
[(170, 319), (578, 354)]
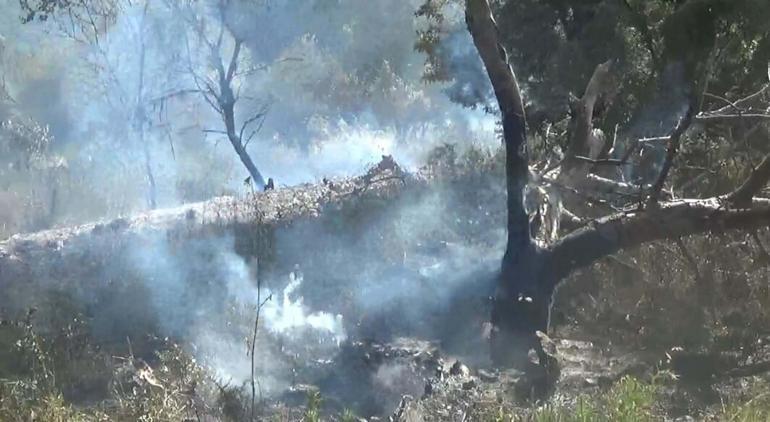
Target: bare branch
[(608, 161), (570, 220), (233, 66), (654, 139), (710, 117), (743, 102), (718, 97), (258, 115), (254, 69), (673, 148), (174, 94), (581, 193), (583, 128)]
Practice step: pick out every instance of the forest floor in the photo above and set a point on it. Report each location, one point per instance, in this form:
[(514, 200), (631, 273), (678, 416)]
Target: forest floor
[(58, 378), (637, 336)]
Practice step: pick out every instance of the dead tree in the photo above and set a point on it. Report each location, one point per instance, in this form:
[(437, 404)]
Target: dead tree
[(221, 92), (531, 271)]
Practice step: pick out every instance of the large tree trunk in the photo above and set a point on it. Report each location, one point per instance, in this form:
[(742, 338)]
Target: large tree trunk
[(71, 256), (513, 333)]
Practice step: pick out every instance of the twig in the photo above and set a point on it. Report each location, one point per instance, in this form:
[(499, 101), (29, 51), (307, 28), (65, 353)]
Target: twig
[(673, 148), (733, 116), (260, 304), (732, 104), (609, 161)]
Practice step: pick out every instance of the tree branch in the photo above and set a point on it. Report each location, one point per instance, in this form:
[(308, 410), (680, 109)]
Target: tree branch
[(673, 148), (668, 221), (604, 161), (583, 123), (233, 66), (743, 102), (733, 116), (259, 114)]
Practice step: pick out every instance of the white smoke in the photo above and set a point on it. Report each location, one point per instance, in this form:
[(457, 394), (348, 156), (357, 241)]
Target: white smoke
[(287, 316), (342, 80)]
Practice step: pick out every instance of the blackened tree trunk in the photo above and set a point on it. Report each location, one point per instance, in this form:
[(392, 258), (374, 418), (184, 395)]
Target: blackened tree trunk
[(514, 327)]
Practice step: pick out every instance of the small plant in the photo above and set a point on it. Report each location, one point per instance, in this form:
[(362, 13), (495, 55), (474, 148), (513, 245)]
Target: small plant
[(585, 411), (550, 413), (631, 400), (757, 409), (313, 410), (348, 416)]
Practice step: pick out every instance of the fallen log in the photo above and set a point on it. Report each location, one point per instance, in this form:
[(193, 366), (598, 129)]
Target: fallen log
[(31, 263)]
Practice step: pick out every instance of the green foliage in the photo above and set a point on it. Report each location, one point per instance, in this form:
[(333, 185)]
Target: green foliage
[(631, 400), (348, 416), (754, 410), (313, 407), (46, 374), (641, 37)]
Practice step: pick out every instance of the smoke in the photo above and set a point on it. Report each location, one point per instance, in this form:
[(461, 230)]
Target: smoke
[(289, 316), (420, 267), (470, 85), (657, 119), (343, 85), (205, 296), (340, 78)]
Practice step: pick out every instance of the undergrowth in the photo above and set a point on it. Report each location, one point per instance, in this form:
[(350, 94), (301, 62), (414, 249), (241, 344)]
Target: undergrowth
[(174, 387)]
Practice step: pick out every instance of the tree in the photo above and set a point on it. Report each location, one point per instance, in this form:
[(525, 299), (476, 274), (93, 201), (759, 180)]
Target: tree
[(222, 91), (122, 93), (207, 26), (531, 270)]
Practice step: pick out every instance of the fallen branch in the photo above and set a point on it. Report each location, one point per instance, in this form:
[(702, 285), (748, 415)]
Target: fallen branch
[(36, 258)]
